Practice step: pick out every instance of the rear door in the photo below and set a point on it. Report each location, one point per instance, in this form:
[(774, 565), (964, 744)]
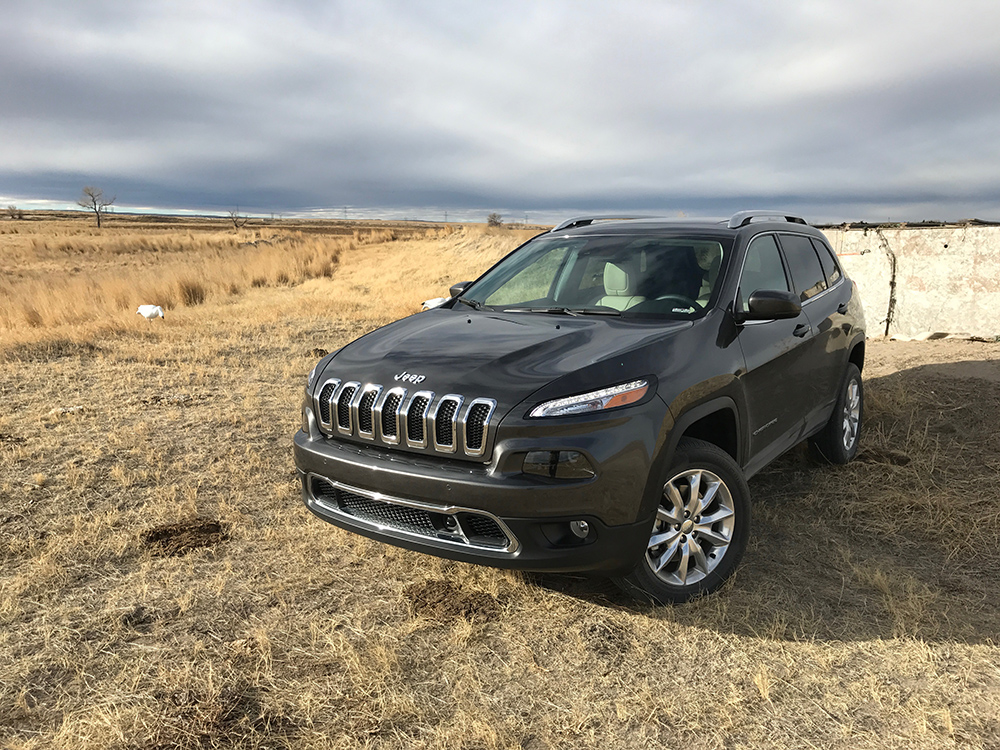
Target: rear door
[(824, 305)]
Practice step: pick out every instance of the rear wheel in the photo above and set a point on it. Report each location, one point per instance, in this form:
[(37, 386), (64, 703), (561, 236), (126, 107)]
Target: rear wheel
[(838, 441), (701, 527)]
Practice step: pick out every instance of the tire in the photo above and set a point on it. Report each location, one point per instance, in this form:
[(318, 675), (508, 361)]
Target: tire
[(838, 441), (692, 552)]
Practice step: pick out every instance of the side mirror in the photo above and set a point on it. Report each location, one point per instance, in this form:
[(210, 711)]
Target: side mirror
[(457, 289), (770, 304)]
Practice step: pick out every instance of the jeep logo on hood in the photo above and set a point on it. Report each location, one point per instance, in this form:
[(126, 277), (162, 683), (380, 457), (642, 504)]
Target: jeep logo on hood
[(407, 377)]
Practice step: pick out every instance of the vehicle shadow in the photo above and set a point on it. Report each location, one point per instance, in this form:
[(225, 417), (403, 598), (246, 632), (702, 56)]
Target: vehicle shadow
[(902, 542)]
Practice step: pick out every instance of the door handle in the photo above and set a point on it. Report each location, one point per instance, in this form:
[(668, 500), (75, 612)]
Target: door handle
[(801, 330)]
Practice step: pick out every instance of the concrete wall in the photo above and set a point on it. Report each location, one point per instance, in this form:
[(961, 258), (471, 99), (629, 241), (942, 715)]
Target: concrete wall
[(925, 279)]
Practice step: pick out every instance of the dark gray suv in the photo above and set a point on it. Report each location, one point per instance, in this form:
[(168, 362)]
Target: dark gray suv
[(595, 401)]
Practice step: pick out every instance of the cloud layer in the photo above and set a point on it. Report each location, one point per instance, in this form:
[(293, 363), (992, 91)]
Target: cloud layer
[(839, 109)]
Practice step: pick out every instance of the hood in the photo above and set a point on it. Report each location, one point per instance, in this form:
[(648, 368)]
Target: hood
[(504, 356)]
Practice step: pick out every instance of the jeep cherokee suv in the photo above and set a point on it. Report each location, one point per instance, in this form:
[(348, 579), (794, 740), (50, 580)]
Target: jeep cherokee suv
[(595, 401)]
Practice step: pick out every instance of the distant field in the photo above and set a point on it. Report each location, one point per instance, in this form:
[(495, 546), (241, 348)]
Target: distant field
[(161, 585)]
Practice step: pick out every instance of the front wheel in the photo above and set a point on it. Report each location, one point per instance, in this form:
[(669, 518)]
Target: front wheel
[(701, 527)]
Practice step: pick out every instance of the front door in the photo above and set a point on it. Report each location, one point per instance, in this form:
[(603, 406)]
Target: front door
[(776, 352)]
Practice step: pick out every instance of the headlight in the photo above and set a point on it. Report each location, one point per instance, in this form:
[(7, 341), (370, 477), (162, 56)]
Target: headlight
[(606, 398), (312, 377)]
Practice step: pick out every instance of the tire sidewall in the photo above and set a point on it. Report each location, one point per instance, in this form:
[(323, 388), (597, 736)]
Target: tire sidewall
[(852, 374), (829, 443)]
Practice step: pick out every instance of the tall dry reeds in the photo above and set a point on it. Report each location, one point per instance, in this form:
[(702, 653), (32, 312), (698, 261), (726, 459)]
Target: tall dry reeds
[(173, 271)]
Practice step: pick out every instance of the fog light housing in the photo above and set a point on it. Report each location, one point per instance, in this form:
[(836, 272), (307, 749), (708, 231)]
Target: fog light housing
[(580, 529), (558, 465)]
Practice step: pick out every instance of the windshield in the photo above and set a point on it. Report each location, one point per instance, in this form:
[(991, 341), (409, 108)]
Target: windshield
[(659, 276)]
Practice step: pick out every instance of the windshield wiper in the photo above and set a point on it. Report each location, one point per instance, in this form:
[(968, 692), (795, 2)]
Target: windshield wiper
[(554, 310), (565, 310), (474, 304), (594, 311)]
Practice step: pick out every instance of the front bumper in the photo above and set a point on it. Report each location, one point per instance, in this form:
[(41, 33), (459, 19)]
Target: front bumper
[(438, 505)]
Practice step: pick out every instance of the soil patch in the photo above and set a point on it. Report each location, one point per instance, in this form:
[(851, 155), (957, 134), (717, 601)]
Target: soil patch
[(444, 601), (175, 539)]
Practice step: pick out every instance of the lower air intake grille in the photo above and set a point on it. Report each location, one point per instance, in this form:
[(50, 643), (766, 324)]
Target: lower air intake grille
[(483, 527), (457, 527)]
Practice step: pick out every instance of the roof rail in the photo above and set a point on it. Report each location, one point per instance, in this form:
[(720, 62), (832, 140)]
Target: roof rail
[(582, 221), (742, 218)]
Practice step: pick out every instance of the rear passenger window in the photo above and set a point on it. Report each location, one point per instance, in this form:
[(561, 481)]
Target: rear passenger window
[(807, 273), (830, 268), (762, 269)]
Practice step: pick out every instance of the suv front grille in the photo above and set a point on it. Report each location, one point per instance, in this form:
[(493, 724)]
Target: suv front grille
[(441, 526), (418, 420)]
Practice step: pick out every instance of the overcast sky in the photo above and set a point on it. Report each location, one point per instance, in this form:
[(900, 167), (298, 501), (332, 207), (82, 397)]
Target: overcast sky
[(838, 110)]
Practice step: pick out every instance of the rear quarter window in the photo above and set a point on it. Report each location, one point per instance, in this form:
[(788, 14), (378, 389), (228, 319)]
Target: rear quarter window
[(831, 269)]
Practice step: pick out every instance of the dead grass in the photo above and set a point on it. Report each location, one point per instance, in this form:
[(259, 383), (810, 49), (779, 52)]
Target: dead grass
[(864, 615)]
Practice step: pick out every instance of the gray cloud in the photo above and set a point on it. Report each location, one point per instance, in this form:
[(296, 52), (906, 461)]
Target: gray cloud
[(846, 109)]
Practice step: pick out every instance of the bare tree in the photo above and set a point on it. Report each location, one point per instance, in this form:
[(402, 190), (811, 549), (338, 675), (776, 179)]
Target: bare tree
[(15, 212), (238, 221), (93, 200), (494, 220)]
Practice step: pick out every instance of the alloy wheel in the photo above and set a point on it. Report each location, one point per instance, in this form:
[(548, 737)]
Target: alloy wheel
[(852, 414), (694, 526)]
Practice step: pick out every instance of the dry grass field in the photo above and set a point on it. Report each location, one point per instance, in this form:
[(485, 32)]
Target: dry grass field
[(161, 585)]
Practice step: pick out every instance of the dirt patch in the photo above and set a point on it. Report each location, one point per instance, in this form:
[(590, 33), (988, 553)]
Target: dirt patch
[(444, 601), (607, 638), (48, 350), (139, 618), (318, 352), (180, 538), (881, 456), (175, 399)]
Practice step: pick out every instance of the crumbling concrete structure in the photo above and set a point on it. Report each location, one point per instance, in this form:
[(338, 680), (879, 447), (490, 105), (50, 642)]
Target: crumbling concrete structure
[(925, 278)]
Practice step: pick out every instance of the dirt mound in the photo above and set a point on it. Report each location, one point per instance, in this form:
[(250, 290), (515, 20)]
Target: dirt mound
[(444, 601), (175, 539)]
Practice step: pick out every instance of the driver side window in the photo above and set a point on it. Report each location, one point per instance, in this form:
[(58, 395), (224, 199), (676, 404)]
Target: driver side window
[(762, 269)]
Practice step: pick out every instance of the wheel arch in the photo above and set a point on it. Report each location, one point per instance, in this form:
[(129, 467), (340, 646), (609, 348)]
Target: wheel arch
[(716, 421), (857, 353)]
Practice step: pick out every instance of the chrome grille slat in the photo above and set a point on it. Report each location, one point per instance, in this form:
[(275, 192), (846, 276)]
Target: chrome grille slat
[(324, 402), (416, 419), (449, 424), (445, 422), (345, 414), (387, 415), (476, 425), (363, 410)]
